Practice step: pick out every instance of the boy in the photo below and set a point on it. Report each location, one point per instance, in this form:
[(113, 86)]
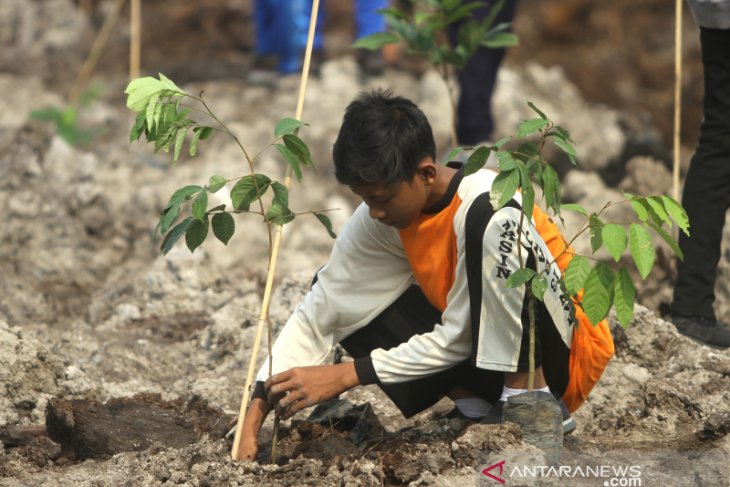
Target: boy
[(413, 292)]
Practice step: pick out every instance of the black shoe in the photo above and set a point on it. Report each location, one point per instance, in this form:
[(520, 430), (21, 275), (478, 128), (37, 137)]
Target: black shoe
[(703, 328), (494, 416)]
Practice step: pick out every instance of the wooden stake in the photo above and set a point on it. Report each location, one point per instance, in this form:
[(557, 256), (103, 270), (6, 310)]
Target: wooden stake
[(677, 96), (263, 317), (101, 39), (135, 44)]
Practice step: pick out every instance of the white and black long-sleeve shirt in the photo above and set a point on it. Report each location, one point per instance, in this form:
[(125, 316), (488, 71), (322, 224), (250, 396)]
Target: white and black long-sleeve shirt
[(372, 264)]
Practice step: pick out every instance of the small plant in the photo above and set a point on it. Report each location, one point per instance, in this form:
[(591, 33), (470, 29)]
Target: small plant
[(66, 119), (423, 32), (603, 285), (164, 118)]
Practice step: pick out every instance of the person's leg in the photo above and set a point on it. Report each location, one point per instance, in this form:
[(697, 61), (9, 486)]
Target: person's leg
[(412, 314), (706, 196), (265, 32), (477, 80), (367, 19), (296, 16)]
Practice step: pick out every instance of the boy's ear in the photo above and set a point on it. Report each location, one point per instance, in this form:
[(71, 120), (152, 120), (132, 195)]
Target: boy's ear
[(427, 170)]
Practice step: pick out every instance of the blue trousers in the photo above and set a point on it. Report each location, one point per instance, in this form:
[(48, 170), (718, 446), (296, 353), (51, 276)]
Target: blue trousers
[(474, 121), (281, 28)]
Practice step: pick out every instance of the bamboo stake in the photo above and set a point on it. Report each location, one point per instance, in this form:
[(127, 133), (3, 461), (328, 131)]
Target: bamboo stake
[(101, 39), (135, 44), (677, 95), (263, 317)]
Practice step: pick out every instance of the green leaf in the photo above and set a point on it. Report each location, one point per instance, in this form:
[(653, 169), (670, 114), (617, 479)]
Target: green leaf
[(291, 159), (528, 127), (656, 204), (614, 237), (179, 139), (327, 223), (205, 132), (641, 211), (574, 207), (299, 148), (501, 39), (168, 216), (140, 90), (519, 277), (454, 152), (668, 239), (223, 227), (287, 126), (502, 141), (279, 214), (551, 187), (539, 286), (183, 194), (537, 110), (476, 160), (567, 148), (642, 249), (196, 233), (503, 188), (178, 231), (150, 112), (200, 204), (677, 212), (216, 182), (624, 295), (281, 194), (375, 41), (168, 84), (528, 200), (244, 192), (138, 128), (596, 230), (505, 161), (194, 142), (576, 274), (598, 293)]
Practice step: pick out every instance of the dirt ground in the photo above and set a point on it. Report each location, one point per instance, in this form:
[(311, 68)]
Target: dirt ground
[(96, 327)]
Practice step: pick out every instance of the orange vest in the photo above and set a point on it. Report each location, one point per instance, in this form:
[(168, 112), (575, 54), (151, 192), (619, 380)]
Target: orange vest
[(432, 256), (592, 346)]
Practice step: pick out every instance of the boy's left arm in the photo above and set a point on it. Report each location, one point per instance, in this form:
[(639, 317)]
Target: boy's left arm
[(306, 386)]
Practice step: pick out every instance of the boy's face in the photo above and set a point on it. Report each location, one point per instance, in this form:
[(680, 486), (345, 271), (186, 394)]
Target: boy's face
[(396, 205)]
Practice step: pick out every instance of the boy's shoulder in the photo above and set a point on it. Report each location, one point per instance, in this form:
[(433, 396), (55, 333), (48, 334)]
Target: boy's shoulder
[(475, 184)]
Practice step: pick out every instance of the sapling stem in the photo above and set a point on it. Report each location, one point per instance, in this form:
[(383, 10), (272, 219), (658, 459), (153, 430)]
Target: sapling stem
[(263, 317)]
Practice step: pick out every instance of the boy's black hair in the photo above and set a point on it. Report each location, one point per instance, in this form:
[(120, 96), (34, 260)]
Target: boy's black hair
[(382, 140)]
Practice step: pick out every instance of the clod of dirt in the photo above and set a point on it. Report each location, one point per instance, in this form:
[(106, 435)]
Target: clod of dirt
[(716, 426), (91, 429), (360, 422)]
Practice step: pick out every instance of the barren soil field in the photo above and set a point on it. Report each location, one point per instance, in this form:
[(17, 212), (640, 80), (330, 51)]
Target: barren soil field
[(123, 367)]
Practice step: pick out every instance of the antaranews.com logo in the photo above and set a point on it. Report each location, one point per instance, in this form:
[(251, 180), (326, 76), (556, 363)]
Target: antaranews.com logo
[(607, 468), (612, 475)]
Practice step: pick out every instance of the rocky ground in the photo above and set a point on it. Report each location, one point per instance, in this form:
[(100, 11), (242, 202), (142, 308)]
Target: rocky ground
[(91, 311)]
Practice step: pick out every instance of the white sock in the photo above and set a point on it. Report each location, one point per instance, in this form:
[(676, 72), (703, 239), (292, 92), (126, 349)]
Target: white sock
[(473, 407), (508, 391)]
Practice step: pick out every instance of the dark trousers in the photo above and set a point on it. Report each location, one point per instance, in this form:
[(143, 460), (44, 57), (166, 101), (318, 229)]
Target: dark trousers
[(409, 315), (474, 121), (706, 195)]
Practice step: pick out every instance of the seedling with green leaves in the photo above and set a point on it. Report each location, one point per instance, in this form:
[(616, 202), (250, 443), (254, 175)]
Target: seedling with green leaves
[(423, 31), (603, 285), (164, 117)]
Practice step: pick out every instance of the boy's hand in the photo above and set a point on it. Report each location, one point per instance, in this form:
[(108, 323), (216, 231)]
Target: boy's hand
[(307, 386)]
